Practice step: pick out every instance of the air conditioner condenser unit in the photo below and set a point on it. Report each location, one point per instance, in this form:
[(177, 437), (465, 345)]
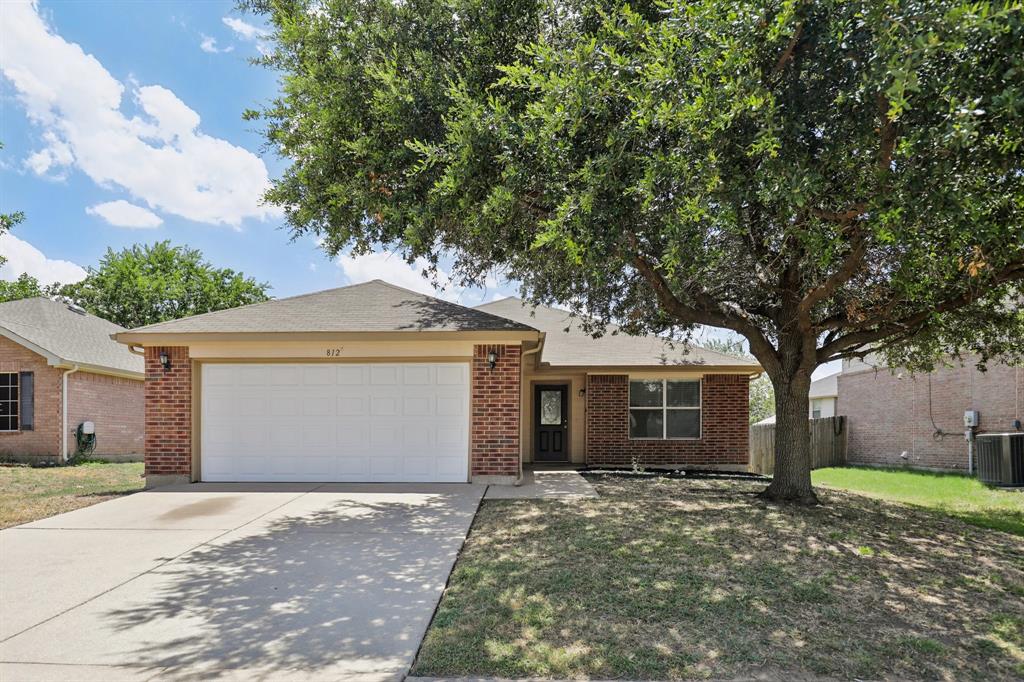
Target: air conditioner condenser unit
[(1001, 458)]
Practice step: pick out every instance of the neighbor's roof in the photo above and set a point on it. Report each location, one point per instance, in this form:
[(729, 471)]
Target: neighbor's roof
[(825, 387), (66, 337), (614, 349), (369, 307)]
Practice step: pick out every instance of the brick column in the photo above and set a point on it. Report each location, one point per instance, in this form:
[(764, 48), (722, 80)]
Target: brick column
[(494, 431), (168, 396)]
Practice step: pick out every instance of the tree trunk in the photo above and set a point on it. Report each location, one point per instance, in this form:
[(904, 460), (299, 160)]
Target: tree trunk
[(792, 479)]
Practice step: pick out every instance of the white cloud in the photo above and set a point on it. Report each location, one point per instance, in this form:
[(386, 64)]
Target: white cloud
[(209, 44), (159, 156), (244, 29), (121, 213), (22, 257), (393, 269), (249, 32)]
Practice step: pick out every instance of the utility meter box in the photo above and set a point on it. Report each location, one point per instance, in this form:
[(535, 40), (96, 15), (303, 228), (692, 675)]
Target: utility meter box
[(88, 428), (971, 419)]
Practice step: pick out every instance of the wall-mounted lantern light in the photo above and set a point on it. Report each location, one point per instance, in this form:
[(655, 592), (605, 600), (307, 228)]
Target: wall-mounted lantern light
[(492, 359), (165, 360)]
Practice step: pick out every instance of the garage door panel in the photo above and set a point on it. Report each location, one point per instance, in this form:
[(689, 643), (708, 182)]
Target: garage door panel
[(319, 375), (417, 375), (317, 422), (452, 375), (351, 375), (384, 375)]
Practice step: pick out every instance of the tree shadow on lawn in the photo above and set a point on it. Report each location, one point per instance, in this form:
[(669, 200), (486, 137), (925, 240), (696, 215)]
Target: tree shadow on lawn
[(334, 587), (676, 579)]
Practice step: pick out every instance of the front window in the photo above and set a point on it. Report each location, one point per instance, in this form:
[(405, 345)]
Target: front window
[(664, 408), (8, 401)]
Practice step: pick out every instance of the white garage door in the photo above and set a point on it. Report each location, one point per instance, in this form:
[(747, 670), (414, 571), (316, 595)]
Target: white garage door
[(326, 422)]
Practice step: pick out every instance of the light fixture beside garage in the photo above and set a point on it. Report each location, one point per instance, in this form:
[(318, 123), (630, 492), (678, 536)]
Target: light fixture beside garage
[(492, 359), (165, 360)]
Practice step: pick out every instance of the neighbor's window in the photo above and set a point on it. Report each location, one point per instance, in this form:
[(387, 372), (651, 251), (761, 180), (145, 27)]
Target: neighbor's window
[(8, 401), (664, 408)]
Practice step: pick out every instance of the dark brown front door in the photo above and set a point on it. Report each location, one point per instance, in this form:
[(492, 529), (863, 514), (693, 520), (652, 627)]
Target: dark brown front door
[(551, 423)]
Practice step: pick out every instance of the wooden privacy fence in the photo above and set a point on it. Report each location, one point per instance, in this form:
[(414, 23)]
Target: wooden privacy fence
[(828, 444)]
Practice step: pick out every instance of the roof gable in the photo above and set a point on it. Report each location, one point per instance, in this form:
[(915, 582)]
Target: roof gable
[(566, 344), (375, 306), (53, 329)]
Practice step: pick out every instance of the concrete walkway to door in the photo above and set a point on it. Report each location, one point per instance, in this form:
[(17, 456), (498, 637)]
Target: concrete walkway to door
[(231, 581)]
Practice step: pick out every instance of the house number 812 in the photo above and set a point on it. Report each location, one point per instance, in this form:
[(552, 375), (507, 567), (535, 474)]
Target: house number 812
[(333, 352)]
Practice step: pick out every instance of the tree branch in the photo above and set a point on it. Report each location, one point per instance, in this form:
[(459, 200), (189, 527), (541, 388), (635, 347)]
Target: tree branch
[(788, 54), (911, 324), (707, 311)]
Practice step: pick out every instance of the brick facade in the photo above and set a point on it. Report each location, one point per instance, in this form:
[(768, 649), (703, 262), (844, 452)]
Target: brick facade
[(893, 418), (494, 429), (168, 397), (42, 443), (115, 405), (724, 439)]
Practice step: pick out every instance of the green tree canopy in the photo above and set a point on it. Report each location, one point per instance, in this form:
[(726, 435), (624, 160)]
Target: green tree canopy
[(825, 178), (144, 284), (26, 286)]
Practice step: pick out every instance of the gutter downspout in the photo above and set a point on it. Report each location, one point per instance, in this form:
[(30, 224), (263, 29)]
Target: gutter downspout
[(522, 370), (64, 413)]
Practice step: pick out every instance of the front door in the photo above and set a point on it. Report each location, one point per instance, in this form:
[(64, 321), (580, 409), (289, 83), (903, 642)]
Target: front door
[(551, 423)]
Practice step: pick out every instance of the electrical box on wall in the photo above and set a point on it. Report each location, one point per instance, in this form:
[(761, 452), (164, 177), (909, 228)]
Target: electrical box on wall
[(971, 419)]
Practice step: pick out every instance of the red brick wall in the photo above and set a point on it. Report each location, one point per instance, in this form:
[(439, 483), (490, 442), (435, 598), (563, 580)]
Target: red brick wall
[(889, 416), (168, 396), (725, 429), (43, 442), (115, 405), (494, 430)]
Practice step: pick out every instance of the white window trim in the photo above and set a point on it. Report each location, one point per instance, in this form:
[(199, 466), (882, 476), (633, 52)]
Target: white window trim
[(665, 408), (17, 403)]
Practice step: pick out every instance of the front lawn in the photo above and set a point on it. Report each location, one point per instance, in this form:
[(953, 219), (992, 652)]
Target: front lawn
[(951, 494), (30, 493), (697, 578)]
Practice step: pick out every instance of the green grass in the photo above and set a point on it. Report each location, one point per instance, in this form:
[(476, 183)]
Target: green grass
[(698, 578), (951, 494), (30, 493)]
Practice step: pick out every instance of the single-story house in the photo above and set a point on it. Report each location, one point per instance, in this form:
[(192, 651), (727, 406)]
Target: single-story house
[(59, 368), (373, 382), (897, 418)]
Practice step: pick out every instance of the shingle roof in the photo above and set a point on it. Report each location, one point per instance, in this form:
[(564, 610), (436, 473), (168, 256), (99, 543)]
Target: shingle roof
[(72, 337), (369, 307), (578, 348)]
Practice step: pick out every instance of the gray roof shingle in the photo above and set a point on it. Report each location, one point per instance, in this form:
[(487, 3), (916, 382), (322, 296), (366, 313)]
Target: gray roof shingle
[(374, 306), (577, 348), (77, 338)]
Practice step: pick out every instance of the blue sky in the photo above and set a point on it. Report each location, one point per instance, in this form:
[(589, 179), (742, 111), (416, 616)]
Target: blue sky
[(122, 123)]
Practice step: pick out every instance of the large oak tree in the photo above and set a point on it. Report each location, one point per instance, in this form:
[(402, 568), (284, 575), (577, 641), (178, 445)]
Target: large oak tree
[(825, 178)]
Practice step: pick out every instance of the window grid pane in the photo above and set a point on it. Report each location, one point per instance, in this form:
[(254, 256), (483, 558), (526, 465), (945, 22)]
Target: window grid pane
[(683, 394), (9, 401), (646, 393)]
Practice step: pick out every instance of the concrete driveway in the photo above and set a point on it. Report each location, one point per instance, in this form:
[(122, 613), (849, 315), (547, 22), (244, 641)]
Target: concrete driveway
[(231, 581)]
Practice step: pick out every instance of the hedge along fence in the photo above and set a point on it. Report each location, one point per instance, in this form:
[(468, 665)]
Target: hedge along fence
[(828, 445)]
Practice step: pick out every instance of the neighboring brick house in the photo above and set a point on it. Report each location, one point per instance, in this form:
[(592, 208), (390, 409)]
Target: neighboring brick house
[(59, 368), (377, 383), (897, 418)]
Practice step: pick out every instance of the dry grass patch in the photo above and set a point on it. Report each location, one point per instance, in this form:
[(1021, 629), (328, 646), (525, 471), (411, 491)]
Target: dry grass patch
[(677, 579), (30, 493)]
